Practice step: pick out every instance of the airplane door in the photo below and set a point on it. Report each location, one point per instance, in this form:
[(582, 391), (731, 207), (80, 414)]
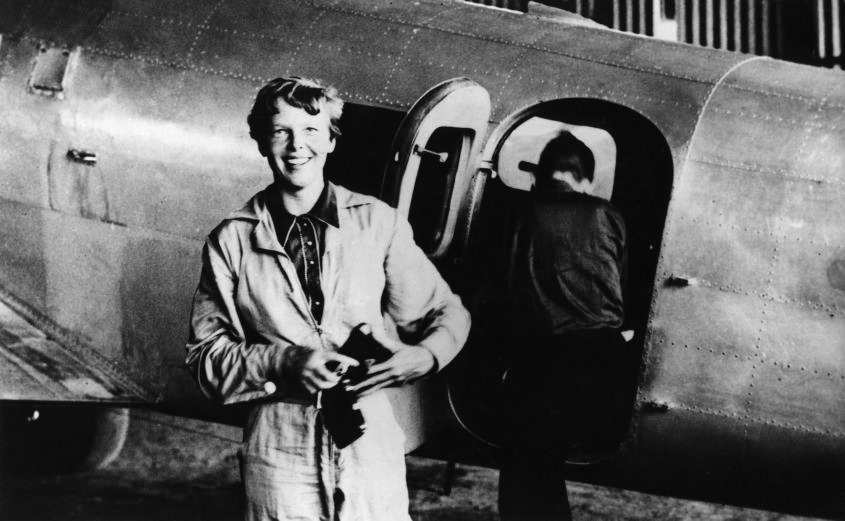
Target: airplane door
[(433, 157)]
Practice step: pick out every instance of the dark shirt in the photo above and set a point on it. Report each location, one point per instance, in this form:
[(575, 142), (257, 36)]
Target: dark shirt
[(575, 260), (303, 238)]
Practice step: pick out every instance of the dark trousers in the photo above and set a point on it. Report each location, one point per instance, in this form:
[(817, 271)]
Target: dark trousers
[(564, 394)]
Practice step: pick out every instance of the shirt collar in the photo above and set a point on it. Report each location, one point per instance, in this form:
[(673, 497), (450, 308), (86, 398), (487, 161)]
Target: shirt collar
[(324, 210)]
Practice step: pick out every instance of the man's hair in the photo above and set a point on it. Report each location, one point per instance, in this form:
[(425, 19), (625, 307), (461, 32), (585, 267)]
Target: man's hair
[(303, 93), (565, 152)]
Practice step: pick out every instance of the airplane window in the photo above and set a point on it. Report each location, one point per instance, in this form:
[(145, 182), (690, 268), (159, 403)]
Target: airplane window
[(521, 151), (439, 163)]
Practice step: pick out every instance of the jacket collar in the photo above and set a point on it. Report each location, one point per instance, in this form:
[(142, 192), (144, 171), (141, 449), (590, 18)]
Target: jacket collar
[(264, 234)]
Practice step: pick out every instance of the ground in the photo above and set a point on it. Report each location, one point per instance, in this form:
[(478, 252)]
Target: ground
[(181, 470)]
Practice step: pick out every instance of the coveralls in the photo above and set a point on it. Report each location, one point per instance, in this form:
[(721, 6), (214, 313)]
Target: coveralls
[(250, 306)]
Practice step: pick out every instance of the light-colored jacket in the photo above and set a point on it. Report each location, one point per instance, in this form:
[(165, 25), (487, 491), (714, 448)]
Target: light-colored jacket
[(249, 307)]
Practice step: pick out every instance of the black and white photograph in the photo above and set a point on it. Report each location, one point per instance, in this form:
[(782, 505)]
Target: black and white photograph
[(422, 260)]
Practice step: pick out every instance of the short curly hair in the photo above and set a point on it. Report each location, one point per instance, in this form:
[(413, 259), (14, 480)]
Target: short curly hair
[(310, 95)]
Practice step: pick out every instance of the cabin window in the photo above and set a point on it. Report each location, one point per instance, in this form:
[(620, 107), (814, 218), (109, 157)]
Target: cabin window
[(520, 153), (442, 158), (361, 154)]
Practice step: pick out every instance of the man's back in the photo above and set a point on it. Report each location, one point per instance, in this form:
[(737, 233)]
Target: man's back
[(575, 259)]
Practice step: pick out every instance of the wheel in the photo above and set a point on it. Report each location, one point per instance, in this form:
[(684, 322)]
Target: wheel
[(58, 439)]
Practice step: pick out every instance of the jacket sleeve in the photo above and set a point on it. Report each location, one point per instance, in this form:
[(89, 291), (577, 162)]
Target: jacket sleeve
[(226, 367), (425, 309)]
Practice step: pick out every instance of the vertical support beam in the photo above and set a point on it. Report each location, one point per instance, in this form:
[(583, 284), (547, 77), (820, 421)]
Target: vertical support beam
[(709, 36), (723, 24), (681, 16), (696, 22), (836, 31), (629, 15), (820, 30), (765, 29), (752, 26), (616, 7), (737, 41), (642, 4)]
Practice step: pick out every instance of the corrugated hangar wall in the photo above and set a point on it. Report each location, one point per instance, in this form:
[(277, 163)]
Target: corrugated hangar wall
[(803, 31)]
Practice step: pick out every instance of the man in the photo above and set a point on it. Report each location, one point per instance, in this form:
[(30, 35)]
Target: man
[(284, 281), (563, 390)]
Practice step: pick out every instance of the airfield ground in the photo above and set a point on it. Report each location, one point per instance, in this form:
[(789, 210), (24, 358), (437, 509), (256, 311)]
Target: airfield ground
[(179, 470)]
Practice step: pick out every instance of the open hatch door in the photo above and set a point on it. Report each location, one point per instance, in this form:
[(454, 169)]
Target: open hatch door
[(433, 157)]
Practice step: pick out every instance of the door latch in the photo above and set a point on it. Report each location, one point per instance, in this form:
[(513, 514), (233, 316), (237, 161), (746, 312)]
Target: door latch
[(440, 156), (81, 156)]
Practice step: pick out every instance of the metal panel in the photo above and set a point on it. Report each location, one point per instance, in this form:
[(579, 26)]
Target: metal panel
[(23, 270), (757, 221), (123, 292), (800, 376), (706, 340), (340, 47), (397, 12), (756, 235), (24, 121), (727, 458), (182, 12), (158, 40), (436, 56), (511, 27), (669, 104), (250, 56), (745, 105), (152, 172), (697, 64), (721, 235), (58, 22), (739, 354), (35, 367)]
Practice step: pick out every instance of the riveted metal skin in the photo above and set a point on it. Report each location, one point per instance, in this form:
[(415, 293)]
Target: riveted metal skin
[(747, 365)]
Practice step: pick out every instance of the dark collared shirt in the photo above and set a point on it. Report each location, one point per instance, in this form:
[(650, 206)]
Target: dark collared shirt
[(575, 261), (303, 238)]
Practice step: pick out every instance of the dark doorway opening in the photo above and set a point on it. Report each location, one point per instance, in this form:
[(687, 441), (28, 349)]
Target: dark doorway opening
[(363, 147), (641, 180)]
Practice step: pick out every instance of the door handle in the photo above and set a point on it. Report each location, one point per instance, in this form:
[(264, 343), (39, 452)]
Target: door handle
[(440, 156)]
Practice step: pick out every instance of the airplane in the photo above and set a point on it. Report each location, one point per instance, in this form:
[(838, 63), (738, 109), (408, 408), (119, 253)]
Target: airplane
[(123, 141)]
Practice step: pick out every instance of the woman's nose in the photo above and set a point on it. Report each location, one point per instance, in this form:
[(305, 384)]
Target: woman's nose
[(296, 140)]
